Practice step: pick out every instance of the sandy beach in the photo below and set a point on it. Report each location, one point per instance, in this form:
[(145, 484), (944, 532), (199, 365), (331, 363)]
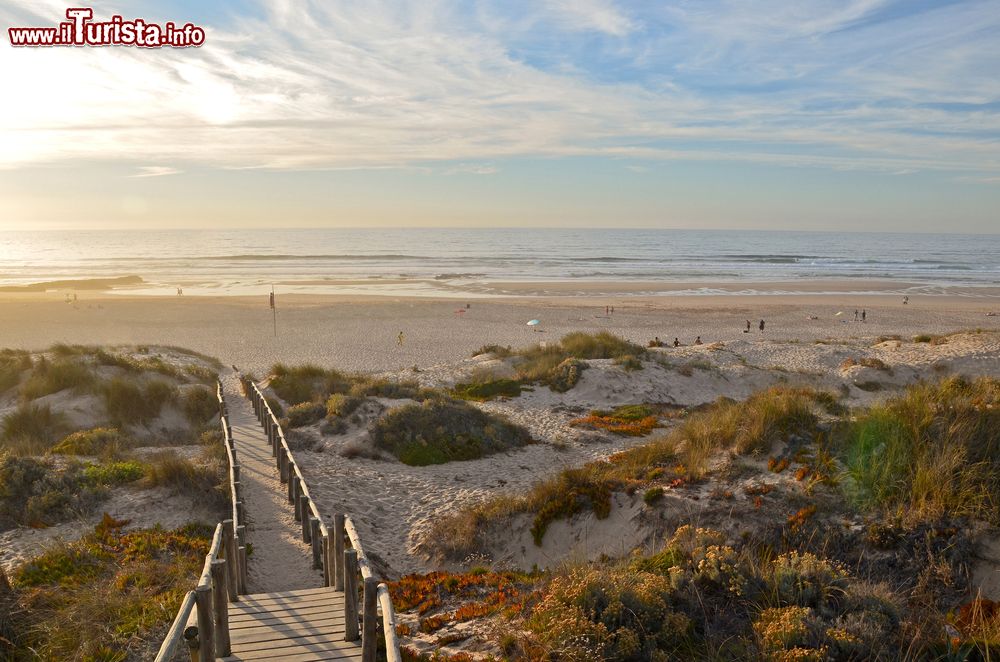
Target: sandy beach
[(360, 333)]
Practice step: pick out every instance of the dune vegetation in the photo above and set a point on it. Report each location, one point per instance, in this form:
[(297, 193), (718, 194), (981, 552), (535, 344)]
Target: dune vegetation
[(918, 470)]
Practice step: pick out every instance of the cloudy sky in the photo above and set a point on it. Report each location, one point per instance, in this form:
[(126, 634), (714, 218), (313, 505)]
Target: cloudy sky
[(822, 114)]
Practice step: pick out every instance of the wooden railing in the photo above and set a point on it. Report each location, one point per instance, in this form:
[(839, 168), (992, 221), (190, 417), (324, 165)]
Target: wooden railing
[(202, 621), (342, 565)]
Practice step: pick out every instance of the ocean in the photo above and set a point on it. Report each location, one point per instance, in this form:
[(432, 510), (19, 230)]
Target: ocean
[(459, 261)]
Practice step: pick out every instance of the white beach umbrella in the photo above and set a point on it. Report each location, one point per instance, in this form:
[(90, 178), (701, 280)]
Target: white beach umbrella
[(533, 323)]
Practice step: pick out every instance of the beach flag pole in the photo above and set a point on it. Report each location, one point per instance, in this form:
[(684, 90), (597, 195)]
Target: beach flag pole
[(274, 312)]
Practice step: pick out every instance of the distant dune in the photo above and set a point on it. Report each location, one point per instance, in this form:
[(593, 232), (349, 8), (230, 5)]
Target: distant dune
[(83, 284)]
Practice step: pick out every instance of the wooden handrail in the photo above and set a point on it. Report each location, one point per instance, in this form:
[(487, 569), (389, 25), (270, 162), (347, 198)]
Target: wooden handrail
[(203, 618), (331, 553)]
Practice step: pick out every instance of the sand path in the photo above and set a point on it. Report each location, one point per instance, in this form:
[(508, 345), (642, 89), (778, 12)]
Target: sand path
[(280, 561)]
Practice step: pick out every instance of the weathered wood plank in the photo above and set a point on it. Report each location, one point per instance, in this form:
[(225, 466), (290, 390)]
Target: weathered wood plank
[(326, 642), (287, 631), (251, 607), (286, 594), (284, 617)]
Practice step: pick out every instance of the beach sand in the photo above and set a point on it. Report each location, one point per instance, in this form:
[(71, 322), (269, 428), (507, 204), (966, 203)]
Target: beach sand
[(360, 333)]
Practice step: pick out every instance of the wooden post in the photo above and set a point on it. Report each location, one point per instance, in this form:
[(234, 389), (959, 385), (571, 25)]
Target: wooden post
[(229, 549), (351, 595), (236, 473), (327, 562), (304, 517), (338, 552), (297, 502), (206, 629), (291, 484), (314, 539), (283, 466), (220, 605), (240, 512), (191, 637), (243, 569), (369, 620)]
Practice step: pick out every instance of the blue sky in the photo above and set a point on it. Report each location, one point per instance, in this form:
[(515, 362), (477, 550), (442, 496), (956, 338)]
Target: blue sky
[(850, 114)]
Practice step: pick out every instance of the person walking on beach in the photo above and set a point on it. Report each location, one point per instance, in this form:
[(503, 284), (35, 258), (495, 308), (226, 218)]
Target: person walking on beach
[(748, 327), (864, 314), (855, 314), (399, 339), (762, 326)]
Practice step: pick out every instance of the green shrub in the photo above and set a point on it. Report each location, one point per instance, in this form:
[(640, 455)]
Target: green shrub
[(35, 493), (305, 413), (275, 406), (199, 405), (439, 431), (653, 495), (114, 473), (565, 375), (601, 345), (498, 351), (33, 422), (97, 441), (49, 377)]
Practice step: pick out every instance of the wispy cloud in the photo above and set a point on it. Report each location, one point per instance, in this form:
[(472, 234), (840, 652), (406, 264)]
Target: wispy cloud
[(880, 85), (155, 171)]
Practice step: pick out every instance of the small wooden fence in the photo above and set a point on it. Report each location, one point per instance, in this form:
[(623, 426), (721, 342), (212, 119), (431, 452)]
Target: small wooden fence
[(342, 565), (202, 621)]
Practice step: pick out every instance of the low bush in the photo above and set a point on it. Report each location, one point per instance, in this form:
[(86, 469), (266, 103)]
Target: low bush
[(105, 442), (199, 405), (438, 431), (559, 365), (340, 405), (35, 493), (305, 413)]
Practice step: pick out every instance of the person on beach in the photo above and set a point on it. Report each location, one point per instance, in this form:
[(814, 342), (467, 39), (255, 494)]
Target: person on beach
[(607, 310), (762, 326), (656, 342), (906, 300), (855, 314), (864, 314), (399, 339), (748, 327), (697, 341), (677, 343)]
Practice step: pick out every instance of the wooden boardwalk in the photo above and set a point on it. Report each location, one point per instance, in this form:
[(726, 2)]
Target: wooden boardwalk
[(299, 626)]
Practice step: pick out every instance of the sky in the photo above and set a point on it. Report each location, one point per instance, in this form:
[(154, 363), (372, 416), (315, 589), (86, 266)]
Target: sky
[(814, 115)]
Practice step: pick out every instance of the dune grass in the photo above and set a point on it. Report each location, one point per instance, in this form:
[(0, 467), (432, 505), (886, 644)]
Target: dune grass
[(110, 592), (167, 469), (743, 427), (559, 365), (12, 364), (129, 402), (932, 451), (33, 427), (304, 413), (47, 377), (306, 383), (438, 431), (628, 420), (199, 405)]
